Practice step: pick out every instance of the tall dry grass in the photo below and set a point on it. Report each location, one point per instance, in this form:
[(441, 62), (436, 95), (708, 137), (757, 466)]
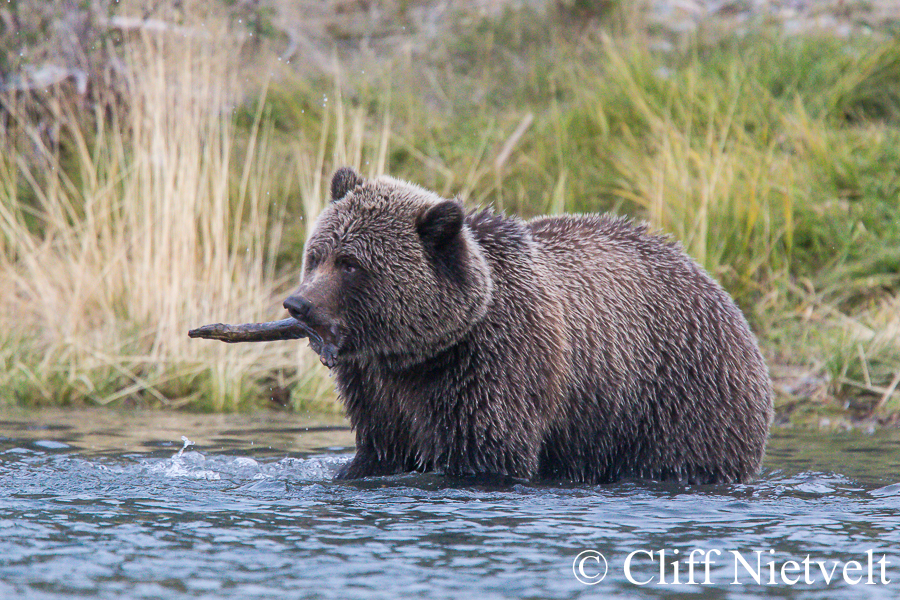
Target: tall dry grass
[(118, 236)]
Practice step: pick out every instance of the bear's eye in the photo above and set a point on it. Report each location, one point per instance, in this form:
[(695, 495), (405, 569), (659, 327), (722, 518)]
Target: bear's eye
[(347, 266)]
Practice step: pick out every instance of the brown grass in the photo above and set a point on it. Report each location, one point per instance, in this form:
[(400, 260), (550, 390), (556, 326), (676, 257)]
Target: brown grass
[(117, 240)]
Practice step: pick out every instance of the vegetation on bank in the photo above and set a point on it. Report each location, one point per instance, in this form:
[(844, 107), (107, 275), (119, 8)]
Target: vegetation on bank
[(182, 197)]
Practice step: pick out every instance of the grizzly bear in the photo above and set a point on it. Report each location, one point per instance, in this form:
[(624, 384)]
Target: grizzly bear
[(576, 347)]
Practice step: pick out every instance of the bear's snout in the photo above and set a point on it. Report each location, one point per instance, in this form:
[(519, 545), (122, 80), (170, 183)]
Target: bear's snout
[(298, 307)]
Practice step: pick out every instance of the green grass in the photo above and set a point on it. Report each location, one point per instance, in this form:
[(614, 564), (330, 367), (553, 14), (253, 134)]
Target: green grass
[(775, 161)]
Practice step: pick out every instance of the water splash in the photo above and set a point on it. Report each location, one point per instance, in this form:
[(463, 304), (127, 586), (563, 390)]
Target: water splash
[(187, 444)]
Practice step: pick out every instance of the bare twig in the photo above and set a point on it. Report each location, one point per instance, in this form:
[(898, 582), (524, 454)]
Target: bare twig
[(874, 389), (865, 364), (513, 139), (153, 26), (887, 393), (45, 77)]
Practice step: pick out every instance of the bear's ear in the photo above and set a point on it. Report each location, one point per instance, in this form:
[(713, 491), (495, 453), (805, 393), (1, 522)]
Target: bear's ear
[(440, 224), (343, 181)]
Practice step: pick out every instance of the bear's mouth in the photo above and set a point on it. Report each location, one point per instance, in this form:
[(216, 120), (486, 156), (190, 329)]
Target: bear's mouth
[(325, 343), (324, 331)]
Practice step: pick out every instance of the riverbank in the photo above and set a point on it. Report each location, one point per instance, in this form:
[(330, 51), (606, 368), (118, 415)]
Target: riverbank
[(173, 188)]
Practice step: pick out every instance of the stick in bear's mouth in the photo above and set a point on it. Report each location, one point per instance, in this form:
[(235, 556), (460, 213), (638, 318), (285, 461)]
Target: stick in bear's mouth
[(285, 329), (270, 331)]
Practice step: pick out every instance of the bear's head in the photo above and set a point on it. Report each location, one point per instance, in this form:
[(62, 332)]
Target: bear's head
[(390, 270)]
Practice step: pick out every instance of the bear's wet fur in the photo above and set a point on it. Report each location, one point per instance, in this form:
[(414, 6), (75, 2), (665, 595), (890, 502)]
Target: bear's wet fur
[(575, 347)]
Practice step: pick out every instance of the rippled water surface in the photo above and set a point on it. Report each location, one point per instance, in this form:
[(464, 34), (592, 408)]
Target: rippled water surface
[(105, 505)]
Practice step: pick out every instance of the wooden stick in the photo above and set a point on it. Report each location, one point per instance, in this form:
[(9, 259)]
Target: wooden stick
[(286, 329)]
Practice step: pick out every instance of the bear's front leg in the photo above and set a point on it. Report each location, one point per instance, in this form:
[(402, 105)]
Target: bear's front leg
[(366, 464)]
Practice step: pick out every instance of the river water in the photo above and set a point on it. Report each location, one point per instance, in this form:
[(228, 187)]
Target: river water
[(100, 504)]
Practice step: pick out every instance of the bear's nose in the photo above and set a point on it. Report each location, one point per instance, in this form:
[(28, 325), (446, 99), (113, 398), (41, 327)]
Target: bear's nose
[(298, 307)]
